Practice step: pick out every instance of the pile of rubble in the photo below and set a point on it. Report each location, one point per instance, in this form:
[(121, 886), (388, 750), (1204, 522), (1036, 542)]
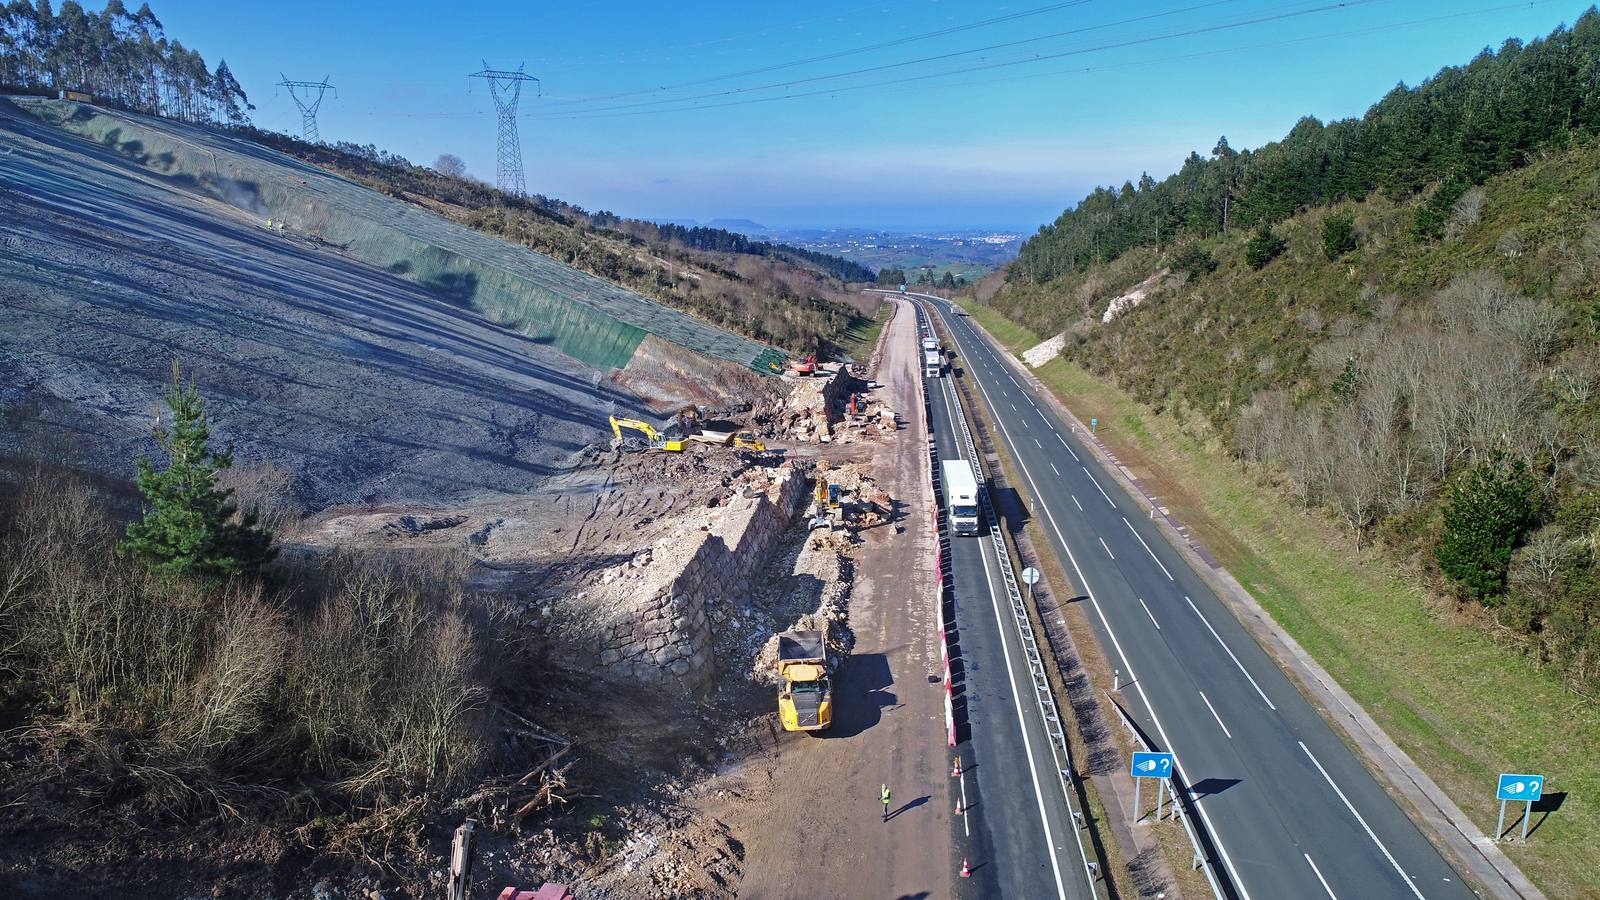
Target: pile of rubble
[(829, 407), (825, 557), (864, 503)]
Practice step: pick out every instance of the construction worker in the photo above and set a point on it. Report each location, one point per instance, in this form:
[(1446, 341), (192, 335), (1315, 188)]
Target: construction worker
[(886, 803)]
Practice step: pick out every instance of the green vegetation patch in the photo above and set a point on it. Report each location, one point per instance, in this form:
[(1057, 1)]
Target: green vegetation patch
[(1450, 696)]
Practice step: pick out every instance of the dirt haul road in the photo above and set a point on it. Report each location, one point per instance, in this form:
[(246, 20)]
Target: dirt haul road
[(808, 813)]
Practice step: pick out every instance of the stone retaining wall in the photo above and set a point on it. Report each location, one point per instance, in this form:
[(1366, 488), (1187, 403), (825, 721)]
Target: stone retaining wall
[(662, 636)]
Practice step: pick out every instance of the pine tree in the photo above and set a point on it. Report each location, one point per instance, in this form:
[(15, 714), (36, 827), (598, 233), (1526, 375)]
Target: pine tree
[(1262, 248), (1338, 235), (190, 526), (1491, 509)]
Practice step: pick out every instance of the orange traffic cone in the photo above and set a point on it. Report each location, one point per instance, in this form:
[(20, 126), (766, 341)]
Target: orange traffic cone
[(966, 870), (956, 772)]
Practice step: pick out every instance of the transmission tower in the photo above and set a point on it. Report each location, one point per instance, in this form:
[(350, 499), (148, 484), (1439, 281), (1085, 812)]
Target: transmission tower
[(308, 96), (506, 88)]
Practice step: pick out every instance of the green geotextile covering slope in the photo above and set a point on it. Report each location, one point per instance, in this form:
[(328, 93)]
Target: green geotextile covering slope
[(585, 317)]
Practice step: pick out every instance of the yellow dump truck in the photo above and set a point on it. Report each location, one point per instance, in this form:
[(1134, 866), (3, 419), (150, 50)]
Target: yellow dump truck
[(806, 701)]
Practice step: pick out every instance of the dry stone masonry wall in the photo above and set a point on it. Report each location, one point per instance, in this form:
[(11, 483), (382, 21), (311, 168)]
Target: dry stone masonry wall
[(662, 633)]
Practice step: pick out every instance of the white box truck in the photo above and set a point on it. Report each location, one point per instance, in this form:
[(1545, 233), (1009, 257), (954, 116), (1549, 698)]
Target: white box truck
[(961, 496), (931, 364), (929, 343)]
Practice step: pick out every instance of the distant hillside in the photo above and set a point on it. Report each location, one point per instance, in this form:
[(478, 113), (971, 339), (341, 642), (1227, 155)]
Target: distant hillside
[(788, 296), (1412, 345), (742, 226)]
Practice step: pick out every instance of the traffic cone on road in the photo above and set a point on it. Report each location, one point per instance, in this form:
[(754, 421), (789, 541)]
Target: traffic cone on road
[(956, 772), (959, 810), (966, 870)]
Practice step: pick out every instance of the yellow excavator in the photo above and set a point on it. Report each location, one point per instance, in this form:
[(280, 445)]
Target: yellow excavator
[(654, 439)]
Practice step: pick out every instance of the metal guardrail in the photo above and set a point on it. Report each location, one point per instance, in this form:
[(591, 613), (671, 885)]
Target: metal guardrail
[(1043, 696), (1199, 859)]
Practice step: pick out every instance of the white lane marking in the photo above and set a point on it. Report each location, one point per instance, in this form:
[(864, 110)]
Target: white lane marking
[(1318, 872), (1365, 827), (946, 391), (1076, 503), (1215, 716), (1013, 407), (1138, 685), (1069, 448), (1026, 425), (1108, 549), (1147, 548), (964, 817), (1225, 649), (1037, 444), (1150, 614), (1098, 487), (1055, 470)]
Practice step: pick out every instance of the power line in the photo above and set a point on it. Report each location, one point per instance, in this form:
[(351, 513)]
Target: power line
[(1135, 64), (883, 5), (940, 57), (1041, 57), (837, 54)]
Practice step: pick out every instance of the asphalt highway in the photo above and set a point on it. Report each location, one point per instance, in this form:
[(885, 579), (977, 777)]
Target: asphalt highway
[(1292, 812), (1017, 831)]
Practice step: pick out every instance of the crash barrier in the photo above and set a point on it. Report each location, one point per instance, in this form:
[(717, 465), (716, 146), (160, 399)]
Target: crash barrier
[(1044, 697)]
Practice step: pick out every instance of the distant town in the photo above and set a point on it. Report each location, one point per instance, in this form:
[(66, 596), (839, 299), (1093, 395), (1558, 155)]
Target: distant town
[(968, 253)]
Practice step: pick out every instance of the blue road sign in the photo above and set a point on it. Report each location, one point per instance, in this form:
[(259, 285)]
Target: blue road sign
[(1152, 765), (1520, 787)]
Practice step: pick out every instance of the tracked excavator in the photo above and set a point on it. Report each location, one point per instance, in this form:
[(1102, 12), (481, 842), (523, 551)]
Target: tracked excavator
[(654, 439)]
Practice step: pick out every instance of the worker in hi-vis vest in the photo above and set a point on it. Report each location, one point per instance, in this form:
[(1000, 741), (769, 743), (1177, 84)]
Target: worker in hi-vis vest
[(886, 803)]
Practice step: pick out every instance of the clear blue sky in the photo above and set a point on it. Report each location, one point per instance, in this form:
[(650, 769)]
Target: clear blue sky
[(1004, 147)]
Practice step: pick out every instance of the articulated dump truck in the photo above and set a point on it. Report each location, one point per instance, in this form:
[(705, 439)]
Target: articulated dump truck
[(806, 701)]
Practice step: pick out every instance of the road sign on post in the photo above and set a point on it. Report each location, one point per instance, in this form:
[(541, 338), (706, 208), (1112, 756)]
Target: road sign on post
[(1150, 765), (1526, 788), (1030, 575)]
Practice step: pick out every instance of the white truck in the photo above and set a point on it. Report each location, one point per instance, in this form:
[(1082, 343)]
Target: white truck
[(960, 496), (929, 343), (931, 363)]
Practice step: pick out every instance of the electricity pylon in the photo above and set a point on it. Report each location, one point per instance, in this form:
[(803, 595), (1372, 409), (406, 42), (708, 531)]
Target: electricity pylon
[(308, 104), (506, 88)]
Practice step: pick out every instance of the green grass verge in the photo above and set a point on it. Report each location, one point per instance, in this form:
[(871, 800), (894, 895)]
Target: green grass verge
[(1011, 335), (862, 335), (1464, 708)]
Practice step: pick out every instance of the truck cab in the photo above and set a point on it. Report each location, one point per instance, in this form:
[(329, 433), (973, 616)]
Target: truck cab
[(806, 701), (932, 365)]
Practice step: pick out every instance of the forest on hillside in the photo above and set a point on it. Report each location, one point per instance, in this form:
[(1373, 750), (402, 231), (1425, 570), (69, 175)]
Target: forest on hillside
[(1459, 127), (120, 57), (1395, 319)]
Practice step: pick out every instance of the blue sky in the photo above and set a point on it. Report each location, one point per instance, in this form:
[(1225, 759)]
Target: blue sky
[(655, 110)]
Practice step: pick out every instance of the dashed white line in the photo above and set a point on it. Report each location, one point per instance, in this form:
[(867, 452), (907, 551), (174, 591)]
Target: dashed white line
[(1055, 470), (1365, 827), (1069, 448), (1225, 649), (1147, 611), (1318, 872), (1215, 716), (1108, 549), (1037, 444), (1076, 503), (1147, 549), (1205, 816), (1097, 485), (1013, 407)]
